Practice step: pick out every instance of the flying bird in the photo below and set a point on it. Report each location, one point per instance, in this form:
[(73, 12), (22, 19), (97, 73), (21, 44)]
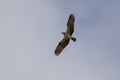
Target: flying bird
[(67, 35)]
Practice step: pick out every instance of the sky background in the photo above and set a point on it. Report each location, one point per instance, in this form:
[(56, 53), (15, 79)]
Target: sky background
[(30, 30)]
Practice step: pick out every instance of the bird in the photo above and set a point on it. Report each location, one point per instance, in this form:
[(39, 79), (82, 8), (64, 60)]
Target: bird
[(67, 35)]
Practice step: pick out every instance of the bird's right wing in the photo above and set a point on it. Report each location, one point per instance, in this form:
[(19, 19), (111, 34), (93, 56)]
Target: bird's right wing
[(62, 44), (70, 24)]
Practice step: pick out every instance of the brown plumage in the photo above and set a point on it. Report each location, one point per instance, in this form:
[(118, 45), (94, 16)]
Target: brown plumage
[(67, 35)]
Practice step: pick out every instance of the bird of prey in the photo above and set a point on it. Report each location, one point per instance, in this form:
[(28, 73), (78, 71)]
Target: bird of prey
[(67, 35)]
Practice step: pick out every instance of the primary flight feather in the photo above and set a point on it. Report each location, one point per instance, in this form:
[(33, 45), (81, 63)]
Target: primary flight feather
[(67, 35)]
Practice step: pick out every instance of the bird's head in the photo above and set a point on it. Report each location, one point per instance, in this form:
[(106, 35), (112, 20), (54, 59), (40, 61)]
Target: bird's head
[(63, 33)]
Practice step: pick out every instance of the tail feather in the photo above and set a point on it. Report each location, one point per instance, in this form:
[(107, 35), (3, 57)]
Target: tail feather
[(73, 38)]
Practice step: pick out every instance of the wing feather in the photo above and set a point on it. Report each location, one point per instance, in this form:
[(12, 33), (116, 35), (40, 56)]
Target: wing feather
[(62, 44), (70, 24)]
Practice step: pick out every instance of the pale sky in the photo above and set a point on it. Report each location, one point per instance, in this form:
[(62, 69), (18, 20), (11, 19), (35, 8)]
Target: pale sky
[(30, 30)]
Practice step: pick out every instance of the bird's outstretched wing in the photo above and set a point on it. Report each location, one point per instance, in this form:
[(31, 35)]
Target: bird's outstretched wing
[(70, 24), (62, 44)]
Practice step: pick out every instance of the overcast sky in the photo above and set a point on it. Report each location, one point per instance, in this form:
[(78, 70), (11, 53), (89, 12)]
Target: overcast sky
[(30, 30)]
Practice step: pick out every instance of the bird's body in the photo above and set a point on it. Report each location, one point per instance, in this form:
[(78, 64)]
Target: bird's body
[(67, 35)]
